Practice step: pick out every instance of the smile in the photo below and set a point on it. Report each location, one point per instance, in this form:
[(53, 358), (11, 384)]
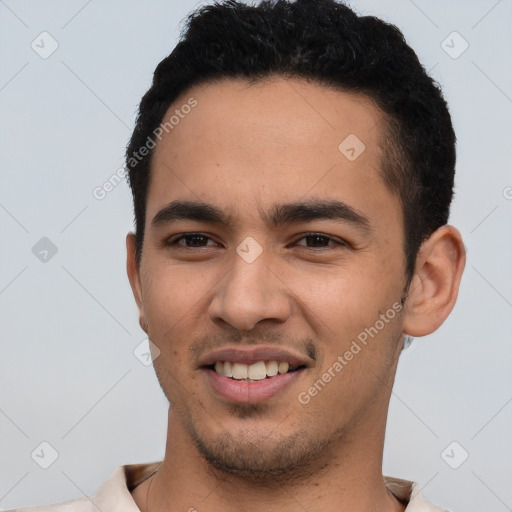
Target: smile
[(253, 372)]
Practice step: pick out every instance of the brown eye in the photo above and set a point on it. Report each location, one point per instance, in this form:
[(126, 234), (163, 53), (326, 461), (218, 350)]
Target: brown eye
[(319, 240), (192, 240)]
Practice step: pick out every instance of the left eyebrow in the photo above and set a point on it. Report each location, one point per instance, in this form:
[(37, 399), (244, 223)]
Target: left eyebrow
[(312, 210), (278, 214)]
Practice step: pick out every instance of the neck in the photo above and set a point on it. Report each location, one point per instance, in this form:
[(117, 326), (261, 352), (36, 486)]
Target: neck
[(348, 477)]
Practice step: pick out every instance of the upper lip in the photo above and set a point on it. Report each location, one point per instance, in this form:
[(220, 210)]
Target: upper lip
[(253, 354)]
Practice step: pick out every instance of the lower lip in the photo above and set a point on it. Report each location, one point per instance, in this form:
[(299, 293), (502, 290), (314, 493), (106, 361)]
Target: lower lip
[(237, 391)]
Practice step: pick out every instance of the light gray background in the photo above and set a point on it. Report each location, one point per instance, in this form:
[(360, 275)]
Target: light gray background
[(68, 375)]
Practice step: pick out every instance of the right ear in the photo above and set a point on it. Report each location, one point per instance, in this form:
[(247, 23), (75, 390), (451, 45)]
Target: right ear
[(133, 271)]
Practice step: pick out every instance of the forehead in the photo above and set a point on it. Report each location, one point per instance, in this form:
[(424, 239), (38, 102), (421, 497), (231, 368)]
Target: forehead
[(246, 145), (288, 113)]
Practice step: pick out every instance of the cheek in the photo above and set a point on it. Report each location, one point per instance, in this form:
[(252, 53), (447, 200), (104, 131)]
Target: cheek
[(356, 313), (341, 300), (176, 308), (170, 292), (168, 299)]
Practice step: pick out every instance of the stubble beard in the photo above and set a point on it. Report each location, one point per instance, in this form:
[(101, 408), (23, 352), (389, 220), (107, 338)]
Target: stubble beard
[(271, 459)]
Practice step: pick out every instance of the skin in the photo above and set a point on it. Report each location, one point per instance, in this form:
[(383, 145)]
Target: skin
[(245, 148)]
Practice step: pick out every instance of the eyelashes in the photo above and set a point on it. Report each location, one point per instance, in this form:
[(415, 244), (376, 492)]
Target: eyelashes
[(198, 241)]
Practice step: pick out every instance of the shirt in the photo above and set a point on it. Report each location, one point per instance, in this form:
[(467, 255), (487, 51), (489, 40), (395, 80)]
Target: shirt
[(114, 495)]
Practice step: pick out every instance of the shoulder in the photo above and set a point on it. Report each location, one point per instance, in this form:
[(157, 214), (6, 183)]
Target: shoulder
[(409, 493), (114, 495), (78, 505)]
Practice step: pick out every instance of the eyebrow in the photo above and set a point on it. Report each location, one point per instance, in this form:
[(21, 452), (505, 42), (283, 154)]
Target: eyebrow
[(278, 214)]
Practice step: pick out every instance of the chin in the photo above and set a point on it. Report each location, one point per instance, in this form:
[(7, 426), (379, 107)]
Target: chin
[(261, 454)]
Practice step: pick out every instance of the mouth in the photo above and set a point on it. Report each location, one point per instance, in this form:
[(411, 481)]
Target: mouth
[(251, 375), (255, 372)]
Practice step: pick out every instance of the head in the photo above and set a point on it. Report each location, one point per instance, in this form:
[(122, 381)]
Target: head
[(313, 158)]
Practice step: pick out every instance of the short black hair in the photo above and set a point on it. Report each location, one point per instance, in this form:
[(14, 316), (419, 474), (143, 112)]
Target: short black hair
[(324, 42)]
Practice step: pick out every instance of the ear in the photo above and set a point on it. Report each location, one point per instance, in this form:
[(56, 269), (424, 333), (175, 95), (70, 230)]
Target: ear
[(133, 271), (435, 284)]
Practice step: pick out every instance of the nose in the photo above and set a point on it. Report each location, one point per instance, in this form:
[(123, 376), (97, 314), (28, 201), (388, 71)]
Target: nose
[(250, 293)]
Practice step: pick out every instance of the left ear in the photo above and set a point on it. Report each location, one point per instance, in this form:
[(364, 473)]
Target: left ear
[(435, 284)]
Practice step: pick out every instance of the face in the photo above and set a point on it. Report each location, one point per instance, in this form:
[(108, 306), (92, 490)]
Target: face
[(272, 243)]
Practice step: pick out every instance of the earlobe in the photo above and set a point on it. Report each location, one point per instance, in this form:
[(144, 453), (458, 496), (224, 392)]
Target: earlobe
[(435, 285), (133, 271)]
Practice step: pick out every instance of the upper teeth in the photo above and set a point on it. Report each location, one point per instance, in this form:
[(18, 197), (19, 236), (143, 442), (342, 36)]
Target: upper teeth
[(255, 371)]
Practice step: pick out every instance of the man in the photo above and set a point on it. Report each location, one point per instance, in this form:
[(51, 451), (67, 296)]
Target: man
[(292, 170)]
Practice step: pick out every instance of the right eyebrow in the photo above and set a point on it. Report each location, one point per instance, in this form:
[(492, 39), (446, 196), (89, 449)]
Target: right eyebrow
[(190, 210)]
